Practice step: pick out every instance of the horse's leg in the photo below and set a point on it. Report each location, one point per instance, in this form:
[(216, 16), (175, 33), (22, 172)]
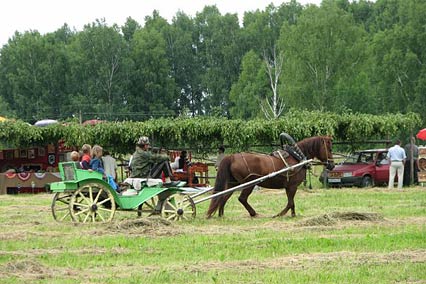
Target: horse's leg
[(245, 193), (291, 192), (215, 203), (223, 200)]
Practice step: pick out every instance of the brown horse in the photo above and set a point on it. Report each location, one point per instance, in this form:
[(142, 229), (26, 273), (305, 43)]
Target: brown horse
[(244, 167)]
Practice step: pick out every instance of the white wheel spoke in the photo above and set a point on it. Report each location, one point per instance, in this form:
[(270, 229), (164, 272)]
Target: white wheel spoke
[(170, 217), (171, 205), (66, 215), (61, 209), (90, 194), (84, 197), (85, 218), (97, 196), (87, 204), (82, 211), (104, 209), (100, 215), (103, 201), (81, 204), (178, 203)]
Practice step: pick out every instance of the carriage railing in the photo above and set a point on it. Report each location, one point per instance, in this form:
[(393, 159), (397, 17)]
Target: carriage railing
[(70, 171)]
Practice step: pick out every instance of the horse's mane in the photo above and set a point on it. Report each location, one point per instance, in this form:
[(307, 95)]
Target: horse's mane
[(312, 145)]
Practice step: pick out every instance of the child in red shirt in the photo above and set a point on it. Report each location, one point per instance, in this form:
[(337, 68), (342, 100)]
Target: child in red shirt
[(85, 159)]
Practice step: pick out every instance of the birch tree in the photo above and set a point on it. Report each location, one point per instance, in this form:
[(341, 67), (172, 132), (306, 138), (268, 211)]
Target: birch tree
[(273, 107)]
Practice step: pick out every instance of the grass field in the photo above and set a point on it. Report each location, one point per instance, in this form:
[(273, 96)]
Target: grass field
[(339, 236)]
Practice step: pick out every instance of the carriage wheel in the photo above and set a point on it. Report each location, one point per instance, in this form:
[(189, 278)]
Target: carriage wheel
[(149, 207), (92, 202), (60, 206), (178, 207)]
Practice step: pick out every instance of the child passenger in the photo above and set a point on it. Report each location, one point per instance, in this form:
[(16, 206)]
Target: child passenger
[(85, 160), (75, 157), (96, 164)]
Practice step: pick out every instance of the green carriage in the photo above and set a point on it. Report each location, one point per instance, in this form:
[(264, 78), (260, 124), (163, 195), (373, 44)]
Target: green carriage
[(84, 196)]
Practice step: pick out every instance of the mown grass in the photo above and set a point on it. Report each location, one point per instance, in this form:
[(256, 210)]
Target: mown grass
[(234, 249)]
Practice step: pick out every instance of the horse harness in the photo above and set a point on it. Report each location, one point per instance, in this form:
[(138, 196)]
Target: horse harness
[(282, 155)]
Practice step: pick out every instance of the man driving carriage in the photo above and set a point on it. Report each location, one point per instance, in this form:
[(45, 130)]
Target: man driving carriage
[(145, 164)]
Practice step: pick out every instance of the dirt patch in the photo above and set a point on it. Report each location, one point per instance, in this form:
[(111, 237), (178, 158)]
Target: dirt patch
[(147, 226), (298, 262), (31, 253), (291, 262), (30, 270), (335, 217)]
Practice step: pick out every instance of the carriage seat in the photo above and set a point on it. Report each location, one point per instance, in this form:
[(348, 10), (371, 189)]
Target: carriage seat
[(139, 183)]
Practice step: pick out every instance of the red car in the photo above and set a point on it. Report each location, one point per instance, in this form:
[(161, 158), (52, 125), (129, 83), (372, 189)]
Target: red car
[(363, 169)]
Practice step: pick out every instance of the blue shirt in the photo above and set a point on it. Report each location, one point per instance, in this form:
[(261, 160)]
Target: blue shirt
[(97, 165), (396, 153)]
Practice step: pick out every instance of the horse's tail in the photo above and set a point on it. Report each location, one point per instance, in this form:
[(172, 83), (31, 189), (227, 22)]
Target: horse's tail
[(222, 178)]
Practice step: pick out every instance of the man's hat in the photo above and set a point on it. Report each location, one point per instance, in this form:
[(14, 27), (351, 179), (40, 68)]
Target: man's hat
[(143, 141)]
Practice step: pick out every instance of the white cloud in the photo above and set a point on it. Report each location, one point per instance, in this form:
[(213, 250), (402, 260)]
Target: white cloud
[(49, 15)]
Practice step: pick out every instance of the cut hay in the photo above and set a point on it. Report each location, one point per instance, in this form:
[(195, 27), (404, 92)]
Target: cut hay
[(26, 269), (333, 218), (152, 222)]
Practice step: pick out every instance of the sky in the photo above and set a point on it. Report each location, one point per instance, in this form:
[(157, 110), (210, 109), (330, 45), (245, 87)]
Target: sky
[(49, 15)]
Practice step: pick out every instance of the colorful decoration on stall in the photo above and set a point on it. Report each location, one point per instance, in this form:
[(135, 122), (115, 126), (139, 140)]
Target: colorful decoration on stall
[(10, 174), (24, 176), (40, 175), (51, 159)]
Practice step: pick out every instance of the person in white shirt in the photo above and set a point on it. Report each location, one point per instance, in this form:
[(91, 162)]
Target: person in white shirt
[(396, 155), (181, 162), (110, 165)]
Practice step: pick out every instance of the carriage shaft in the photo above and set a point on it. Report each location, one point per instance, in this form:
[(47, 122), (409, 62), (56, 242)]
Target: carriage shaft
[(253, 182)]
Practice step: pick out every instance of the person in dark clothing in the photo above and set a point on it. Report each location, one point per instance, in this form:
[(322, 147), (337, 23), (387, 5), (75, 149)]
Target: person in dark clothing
[(412, 152), (146, 164)]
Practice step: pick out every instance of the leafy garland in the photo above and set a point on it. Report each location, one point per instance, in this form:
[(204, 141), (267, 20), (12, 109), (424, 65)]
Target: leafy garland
[(204, 133)]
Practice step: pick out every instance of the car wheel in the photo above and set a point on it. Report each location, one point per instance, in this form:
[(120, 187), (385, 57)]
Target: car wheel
[(367, 181)]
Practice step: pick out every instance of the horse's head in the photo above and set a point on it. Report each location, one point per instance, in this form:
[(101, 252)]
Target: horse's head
[(326, 154), (318, 147)]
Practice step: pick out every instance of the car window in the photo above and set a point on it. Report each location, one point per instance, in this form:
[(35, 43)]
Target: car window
[(366, 158), (382, 158), (352, 159)]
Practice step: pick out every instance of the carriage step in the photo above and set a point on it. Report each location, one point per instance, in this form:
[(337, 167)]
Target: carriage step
[(173, 183)]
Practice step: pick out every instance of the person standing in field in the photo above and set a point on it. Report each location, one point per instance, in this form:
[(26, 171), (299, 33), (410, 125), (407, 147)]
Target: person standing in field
[(220, 156), (412, 153), (396, 155)]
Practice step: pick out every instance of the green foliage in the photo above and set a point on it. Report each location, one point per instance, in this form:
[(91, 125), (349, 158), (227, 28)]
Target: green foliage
[(247, 93), (357, 56), (204, 133)]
